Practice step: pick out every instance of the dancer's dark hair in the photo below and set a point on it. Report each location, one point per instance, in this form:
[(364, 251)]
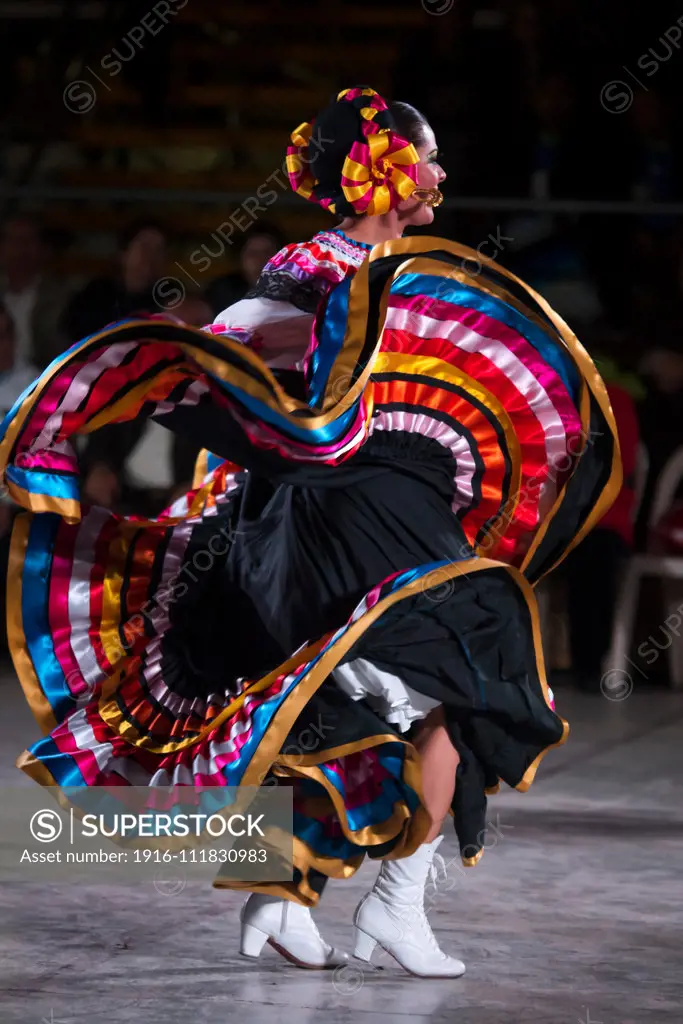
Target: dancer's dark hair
[(320, 150), (409, 122)]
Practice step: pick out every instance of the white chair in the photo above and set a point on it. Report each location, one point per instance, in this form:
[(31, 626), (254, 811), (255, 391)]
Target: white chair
[(668, 568)]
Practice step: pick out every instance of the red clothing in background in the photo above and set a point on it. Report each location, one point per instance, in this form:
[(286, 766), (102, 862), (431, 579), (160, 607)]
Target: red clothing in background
[(620, 516)]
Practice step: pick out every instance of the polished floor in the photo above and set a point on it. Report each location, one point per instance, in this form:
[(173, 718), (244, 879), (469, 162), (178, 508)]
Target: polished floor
[(574, 915)]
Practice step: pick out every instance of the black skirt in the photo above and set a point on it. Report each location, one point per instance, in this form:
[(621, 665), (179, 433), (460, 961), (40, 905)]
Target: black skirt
[(342, 576)]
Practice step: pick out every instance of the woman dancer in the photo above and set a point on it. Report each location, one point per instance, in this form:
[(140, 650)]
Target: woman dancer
[(435, 445)]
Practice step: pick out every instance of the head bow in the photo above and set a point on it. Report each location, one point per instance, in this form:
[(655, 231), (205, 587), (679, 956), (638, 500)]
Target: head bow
[(298, 161), (379, 170)]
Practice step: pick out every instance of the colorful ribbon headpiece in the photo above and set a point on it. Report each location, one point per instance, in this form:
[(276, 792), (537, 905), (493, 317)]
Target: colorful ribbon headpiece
[(378, 172)]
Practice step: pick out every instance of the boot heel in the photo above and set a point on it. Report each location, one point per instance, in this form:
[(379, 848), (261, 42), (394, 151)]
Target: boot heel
[(252, 941), (364, 945)]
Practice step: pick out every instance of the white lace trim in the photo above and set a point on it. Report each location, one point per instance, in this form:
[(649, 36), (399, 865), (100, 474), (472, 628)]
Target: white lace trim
[(387, 694)]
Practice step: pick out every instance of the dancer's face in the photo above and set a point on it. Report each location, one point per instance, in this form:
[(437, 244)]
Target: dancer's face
[(430, 174)]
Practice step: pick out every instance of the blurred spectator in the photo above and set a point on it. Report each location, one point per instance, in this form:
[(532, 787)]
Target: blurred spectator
[(526, 36), (593, 569), (15, 375), (550, 164), (653, 169), (33, 299), (549, 159), (143, 263), (556, 163), (161, 458), (257, 245), (556, 266), (661, 412), (136, 468), (649, 261), (194, 310), (153, 76)]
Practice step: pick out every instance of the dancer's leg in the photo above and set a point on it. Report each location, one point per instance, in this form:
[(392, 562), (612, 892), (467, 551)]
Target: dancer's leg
[(393, 914), (439, 762)]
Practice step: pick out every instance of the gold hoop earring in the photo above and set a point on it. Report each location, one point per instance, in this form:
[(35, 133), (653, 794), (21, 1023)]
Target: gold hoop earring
[(428, 196)]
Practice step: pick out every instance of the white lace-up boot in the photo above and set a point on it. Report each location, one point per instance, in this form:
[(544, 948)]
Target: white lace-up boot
[(392, 916), (287, 927)]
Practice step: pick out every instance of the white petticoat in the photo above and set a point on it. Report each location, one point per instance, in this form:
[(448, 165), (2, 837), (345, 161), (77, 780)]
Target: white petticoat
[(387, 694)]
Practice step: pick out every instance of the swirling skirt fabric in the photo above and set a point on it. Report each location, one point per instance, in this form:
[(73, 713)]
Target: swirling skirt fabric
[(356, 551)]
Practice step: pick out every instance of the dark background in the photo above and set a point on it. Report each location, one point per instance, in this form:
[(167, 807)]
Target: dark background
[(559, 121), (196, 104)]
